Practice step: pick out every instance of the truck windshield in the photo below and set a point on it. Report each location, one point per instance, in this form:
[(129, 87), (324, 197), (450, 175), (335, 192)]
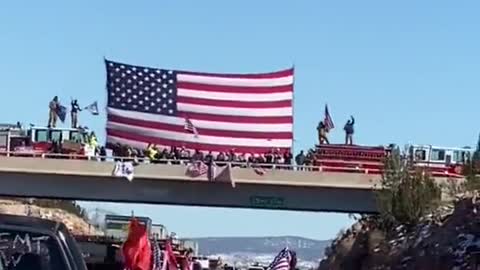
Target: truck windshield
[(28, 250), (49, 135), (77, 136)]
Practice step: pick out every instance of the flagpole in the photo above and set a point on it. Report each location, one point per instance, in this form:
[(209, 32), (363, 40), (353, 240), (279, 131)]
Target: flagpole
[(293, 109), (105, 101)]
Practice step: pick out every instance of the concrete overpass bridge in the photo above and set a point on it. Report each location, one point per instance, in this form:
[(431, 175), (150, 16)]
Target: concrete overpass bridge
[(168, 184)]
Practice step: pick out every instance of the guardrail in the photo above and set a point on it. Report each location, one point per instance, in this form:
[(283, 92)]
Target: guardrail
[(349, 168), (185, 162)]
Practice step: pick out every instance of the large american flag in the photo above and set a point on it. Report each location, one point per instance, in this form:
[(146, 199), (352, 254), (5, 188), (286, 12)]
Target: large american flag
[(250, 113)]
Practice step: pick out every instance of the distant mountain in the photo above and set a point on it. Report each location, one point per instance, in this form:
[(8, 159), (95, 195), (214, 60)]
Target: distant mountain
[(307, 249)]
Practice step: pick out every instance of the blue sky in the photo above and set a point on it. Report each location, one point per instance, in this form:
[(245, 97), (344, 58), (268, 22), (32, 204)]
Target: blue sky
[(408, 72)]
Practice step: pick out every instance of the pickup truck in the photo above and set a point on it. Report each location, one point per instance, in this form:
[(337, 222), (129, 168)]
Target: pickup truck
[(28, 243)]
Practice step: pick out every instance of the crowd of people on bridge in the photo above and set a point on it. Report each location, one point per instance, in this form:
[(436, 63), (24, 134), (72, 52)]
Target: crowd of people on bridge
[(162, 155)]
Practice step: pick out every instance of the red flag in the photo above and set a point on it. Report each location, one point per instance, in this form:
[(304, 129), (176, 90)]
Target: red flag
[(169, 260), (136, 249)]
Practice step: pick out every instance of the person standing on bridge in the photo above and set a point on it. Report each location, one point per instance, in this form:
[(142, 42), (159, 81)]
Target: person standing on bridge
[(93, 142), (300, 160), (52, 115), (74, 113), (151, 152), (322, 133), (349, 130)]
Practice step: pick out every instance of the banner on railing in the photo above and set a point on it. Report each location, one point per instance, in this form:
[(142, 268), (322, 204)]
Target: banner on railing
[(213, 172), (224, 175), (123, 169), (196, 169)]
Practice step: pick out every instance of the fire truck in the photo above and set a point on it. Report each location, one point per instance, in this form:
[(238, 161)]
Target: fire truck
[(439, 161), (447, 161), (35, 140)]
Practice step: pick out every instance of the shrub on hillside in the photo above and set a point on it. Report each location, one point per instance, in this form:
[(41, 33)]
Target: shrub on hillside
[(406, 194)]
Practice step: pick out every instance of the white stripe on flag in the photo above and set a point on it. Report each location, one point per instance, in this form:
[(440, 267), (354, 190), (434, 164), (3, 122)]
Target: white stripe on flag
[(234, 96), (187, 107), (212, 80)]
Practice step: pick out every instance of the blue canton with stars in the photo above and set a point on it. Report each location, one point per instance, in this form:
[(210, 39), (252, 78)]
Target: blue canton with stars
[(141, 89)]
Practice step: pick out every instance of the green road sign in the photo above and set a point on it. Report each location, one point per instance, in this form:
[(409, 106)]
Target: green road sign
[(267, 201)]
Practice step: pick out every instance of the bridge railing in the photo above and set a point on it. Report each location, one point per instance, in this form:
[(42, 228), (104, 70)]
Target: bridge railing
[(260, 167), (349, 167)]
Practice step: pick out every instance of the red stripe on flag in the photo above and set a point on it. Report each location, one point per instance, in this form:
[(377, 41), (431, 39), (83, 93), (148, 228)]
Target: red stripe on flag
[(202, 131), (235, 89), (271, 75), (235, 104)]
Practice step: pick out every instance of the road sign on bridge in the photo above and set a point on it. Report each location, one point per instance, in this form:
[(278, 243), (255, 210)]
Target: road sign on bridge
[(267, 202)]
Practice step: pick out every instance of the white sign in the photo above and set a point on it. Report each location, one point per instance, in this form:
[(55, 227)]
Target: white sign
[(124, 169)]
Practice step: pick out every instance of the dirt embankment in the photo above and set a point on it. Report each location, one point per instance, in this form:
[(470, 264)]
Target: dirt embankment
[(74, 223), (447, 240)]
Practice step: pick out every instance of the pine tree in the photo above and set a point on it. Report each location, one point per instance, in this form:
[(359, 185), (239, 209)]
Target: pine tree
[(472, 171), (406, 194), (476, 154)]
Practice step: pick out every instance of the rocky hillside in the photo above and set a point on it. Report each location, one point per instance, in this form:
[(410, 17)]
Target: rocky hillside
[(76, 224), (446, 240)]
